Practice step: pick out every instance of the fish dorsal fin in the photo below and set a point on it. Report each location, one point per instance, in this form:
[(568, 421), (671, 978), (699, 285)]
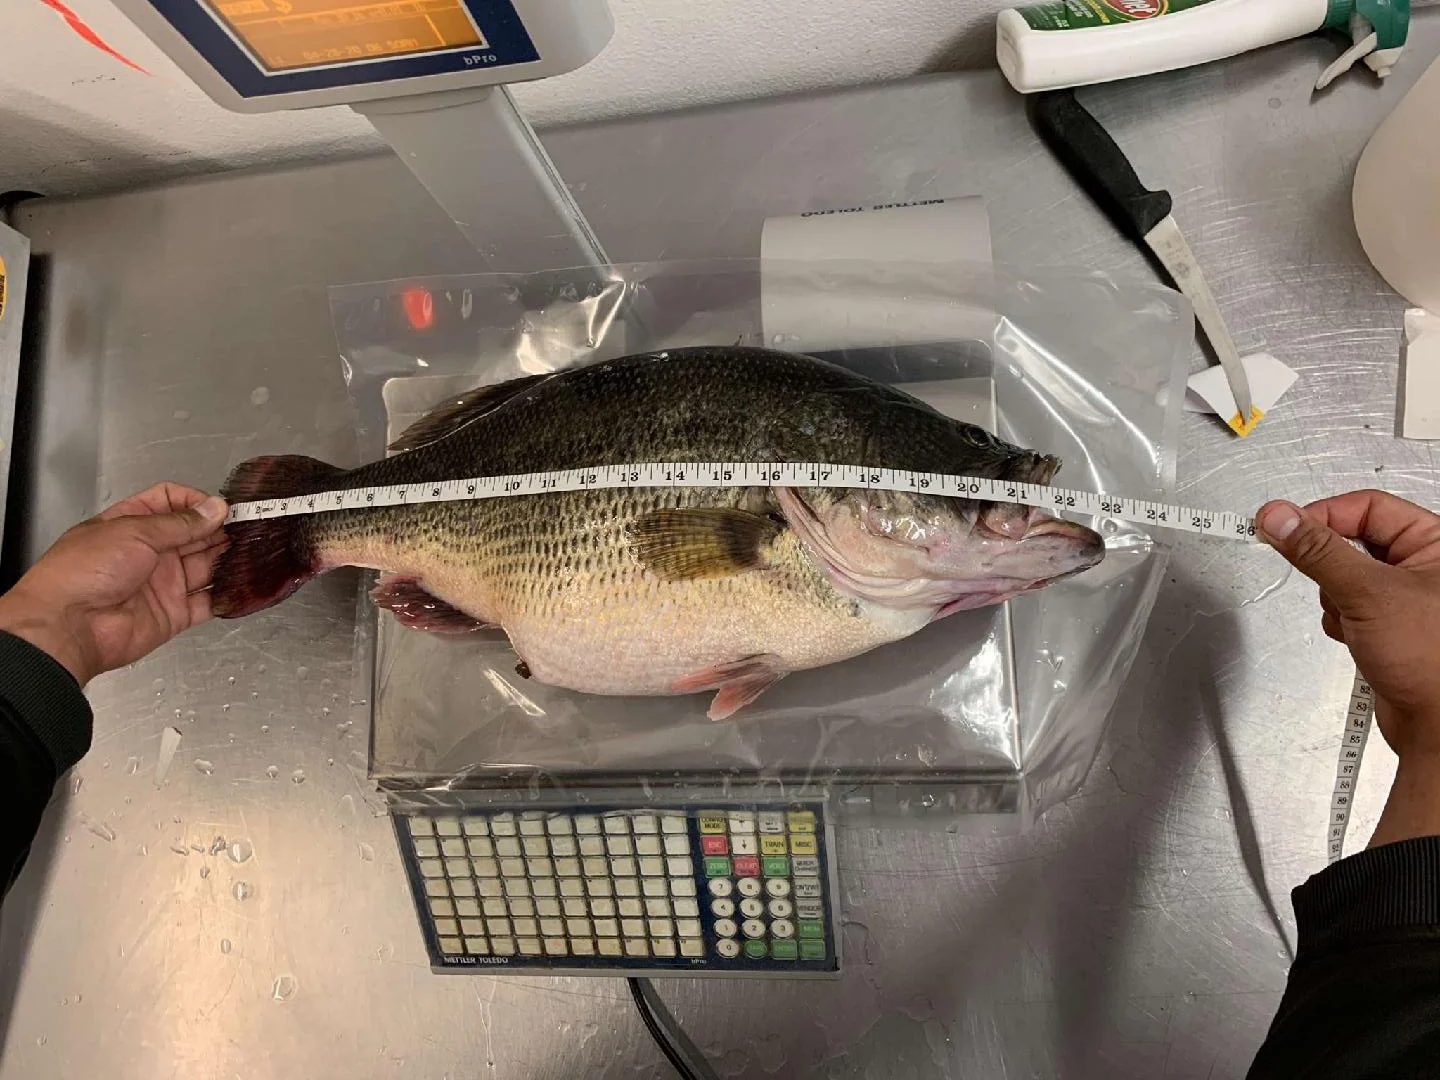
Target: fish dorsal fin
[(701, 542), (454, 413)]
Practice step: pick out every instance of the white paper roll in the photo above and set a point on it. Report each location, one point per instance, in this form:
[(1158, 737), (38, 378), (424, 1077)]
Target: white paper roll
[(817, 292)]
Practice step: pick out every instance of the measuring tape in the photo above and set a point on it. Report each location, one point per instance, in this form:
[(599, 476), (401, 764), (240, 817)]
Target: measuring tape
[(728, 474)]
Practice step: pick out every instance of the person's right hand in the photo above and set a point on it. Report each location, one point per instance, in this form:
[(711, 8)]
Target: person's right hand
[(1384, 606)]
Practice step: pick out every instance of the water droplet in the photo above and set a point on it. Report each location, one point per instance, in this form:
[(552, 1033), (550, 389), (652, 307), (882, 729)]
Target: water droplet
[(143, 849), (260, 395), (158, 686), (181, 415), (75, 784), (99, 828), (384, 952), (178, 714), (76, 1000), (302, 671), (231, 680), (926, 754), (272, 771), (284, 988), (367, 852), (225, 707), (240, 851), (217, 845), (204, 872), (298, 776), (132, 765), (254, 694), (927, 800), (224, 944), (343, 726), (264, 729), (41, 1041), (329, 761), (204, 766), (325, 710), (242, 890), (180, 849)]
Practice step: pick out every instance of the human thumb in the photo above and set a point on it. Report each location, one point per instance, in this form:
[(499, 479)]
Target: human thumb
[(1342, 571), (164, 532)]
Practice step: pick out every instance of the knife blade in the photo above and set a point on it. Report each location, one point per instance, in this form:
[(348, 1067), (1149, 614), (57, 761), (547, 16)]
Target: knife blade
[(1101, 168)]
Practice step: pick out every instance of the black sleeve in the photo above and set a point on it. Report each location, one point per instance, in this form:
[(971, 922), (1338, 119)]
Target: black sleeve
[(1363, 998), (45, 726)]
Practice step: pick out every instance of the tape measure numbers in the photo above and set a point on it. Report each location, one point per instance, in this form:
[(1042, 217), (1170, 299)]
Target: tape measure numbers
[(725, 474), (1359, 716)]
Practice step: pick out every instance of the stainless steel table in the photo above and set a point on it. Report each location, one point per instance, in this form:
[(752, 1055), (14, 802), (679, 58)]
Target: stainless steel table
[(1140, 931)]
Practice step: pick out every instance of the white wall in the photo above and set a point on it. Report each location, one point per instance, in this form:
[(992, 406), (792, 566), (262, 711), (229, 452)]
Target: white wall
[(74, 120)]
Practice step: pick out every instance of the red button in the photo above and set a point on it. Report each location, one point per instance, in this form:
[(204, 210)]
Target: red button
[(714, 845), (747, 866)]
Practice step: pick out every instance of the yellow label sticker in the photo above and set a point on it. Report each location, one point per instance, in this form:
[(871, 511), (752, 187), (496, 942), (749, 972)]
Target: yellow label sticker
[(1243, 428), (2, 289)]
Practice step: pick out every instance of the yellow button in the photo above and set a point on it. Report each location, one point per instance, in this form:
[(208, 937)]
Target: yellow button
[(772, 845), (712, 824), (801, 820), (802, 844)]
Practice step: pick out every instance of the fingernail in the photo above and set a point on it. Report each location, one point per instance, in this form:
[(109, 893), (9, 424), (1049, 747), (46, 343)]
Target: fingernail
[(212, 509), (1280, 521)]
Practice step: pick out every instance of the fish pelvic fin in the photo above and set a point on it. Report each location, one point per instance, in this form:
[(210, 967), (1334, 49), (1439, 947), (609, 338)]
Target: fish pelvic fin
[(266, 560), (701, 542)]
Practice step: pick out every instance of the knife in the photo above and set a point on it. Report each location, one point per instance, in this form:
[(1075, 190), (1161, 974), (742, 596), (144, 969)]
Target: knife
[(1099, 166)]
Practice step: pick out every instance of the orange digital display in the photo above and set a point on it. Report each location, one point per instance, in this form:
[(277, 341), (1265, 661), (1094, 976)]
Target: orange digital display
[(288, 34)]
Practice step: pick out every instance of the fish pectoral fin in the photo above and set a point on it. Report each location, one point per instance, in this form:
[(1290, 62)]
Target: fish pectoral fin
[(738, 683), (454, 413), (701, 542), (417, 609)]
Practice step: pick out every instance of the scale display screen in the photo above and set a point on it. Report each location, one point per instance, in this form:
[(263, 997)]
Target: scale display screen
[(288, 35)]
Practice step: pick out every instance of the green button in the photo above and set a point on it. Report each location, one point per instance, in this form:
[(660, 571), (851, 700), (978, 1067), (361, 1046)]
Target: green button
[(811, 928), (775, 866), (812, 950), (783, 950), (717, 866), (755, 950)]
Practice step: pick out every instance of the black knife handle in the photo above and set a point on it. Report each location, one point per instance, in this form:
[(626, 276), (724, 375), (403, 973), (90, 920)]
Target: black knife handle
[(1098, 165)]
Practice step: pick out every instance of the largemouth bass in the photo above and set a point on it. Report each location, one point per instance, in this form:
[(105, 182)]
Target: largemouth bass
[(668, 591)]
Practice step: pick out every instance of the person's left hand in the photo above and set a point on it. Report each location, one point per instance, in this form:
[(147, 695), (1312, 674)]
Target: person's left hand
[(120, 585)]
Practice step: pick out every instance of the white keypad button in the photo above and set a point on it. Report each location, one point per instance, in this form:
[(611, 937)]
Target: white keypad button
[(807, 888), (627, 886), (476, 946), (751, 908), (653, 886), (721, 887), (563, 846), (428, 848), (515, 885), (587, 824), (552, 928), (543, 886), (652, 866), (619, 845), (692, 947), (632, 927), (722, 909), (608, 946), (463, 888), (452, 846), (447, 927), (748, 886), (442, 907), (644, 823), (485, 867), (782, 928), (599, 886), (573, 908), (536, 846), (499, 927), (504, 946), (582, 946), (481, 847), (540, 867), (753, 928), (687, 927), (622, 867), (686, 908), (596, 866), (432, 868), (476, 826), (658, 906), (726, 928), (592, 845), (457, 867), (772, 822), (744, 845), (472, 927), (507, 847), (780, 909), (661, 928), (729, 948), (502, 825), (526, 928), (805, 865), (529, 946), (616, 824), (490, 887), (522, 907), (447, 826), (632, 908), (742, 821), (684, 886), (451, 946), (662, 947), (637, 947), (556, 947), (532, 827), (577, 927), (572, 886), (607, 928), (677, 865), (558, 825), (547, 906), (421, 826), (647, 845), (672, 823), (777, 887), (602, 907), (468, 908), (677, 845)]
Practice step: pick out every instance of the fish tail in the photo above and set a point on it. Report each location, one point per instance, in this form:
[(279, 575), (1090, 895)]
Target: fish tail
[(267, 560)]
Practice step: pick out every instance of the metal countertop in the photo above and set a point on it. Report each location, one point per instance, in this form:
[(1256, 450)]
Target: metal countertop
[(1139, 931)]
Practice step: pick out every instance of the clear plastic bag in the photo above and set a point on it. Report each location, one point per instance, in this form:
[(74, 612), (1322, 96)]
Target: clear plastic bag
[(997, 710)]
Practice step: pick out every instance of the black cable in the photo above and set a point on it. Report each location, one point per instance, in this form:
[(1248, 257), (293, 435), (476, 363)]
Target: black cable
[(667, 1034)]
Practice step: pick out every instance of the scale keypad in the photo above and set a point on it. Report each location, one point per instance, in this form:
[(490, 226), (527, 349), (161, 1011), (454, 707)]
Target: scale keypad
[(737, 889)]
